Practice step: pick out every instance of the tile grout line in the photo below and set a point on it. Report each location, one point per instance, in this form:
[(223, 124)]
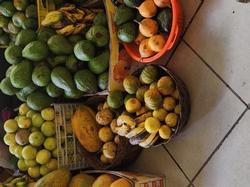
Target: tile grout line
[(216, 74), (177, 164), (184, 32), (219, 145)]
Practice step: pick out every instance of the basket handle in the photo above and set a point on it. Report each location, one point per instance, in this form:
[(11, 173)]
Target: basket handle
[(174, 38)]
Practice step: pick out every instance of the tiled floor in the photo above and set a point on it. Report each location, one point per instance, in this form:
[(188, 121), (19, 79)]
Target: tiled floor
[(212, 59)]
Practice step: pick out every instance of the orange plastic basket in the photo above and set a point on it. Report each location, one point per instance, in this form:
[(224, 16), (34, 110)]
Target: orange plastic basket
[(176, 30)]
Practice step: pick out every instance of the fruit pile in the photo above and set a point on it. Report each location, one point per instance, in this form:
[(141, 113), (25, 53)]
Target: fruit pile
[(16, 16), (31, 138), (154, 18), (152, 107), (46, 65)]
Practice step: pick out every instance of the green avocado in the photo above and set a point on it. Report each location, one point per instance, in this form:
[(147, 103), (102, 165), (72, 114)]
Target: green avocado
[(24, 37), (35, 51), (53, 91), (8, 71), (7, 88), (59, 45), (7, 8), (127, 32), (86, 81), (100, 63), (99, 35), (20, 75), (13, 54), (44, 33), (84, 50), (18, 19), (41, 75), (103, 80), (123, 15), (31, 11), (39, 100)]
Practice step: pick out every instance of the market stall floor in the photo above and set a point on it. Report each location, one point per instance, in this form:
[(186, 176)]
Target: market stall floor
[(213, 60)]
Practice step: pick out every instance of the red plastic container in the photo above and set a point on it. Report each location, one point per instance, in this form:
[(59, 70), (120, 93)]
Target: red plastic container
[(176, 30)]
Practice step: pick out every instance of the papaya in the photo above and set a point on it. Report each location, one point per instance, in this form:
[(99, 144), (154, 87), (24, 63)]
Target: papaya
[(31, 11), (86, 128), (86, 81), (39, 100), (7, 8), (100, 63), (99, 35), (13, 54), (82, 180), (21, 4), (53, 91), (123, 15), (41, 75), (84, 50), (44, 33), (18, 19), (20, 75), (7, 88), (62, 78), (24, 37), (56, 178), (59, 45), (35, 51)]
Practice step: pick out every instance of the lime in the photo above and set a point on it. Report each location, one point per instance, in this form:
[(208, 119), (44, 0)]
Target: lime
[(54, 153), (30, 163), (18, 151), (37, 120), (23, 109), (30, 114), (21, 165), (29, 152), (10, 126), (48, 114), (48, 128), (12, 149), (9, 139), (35, 129), (50, 143), (36, 138), (24, 122), (43, 156), (34, 172), (44, 170), (52, 165)]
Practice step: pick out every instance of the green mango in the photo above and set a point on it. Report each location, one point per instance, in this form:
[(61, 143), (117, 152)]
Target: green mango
[(35, 51), (31, 11), (21, 4), (123, 15), (39, 100), (71, 63), (4, 39), (73, 94), (44, 33), (128, 32), (41, 75), (18, 19), (53, 91), (24, 37), (59, 45), (103, 81), (164, 19), (101, 19), (100, 63), (84, 50), (29, 23), (26, 91), (58, 60), (8, 71), (7, 8), (99, 35), (13, 54), (7, 88)]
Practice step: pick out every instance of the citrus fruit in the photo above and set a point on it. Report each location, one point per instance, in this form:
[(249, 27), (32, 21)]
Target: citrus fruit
[(10, 126), (29, 152), (44, 170), (30, 114), (43, 156), (152, 125), (30, 163), (12, 149), (48, 128), (18, 151), (23, 109), (54, 153), (48, 114), (21, 165), (37, 120), (50, 143), (24, 122), (36, 138), (52, 165), (9, 139), (34, 172)]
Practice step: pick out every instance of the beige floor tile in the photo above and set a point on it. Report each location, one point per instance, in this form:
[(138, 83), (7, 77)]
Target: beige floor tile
[(214, 110), (230, 165), (220, 35), (157, 161)]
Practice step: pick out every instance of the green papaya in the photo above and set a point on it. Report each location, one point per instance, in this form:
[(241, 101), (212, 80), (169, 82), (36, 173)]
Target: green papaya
[(29, 23), (4, 39), (13, 54), (57, 61), (21, 4), (26, 91), (24, 37), (8, 71), (71, 63), (73, 94), (35, 51), (84, 50), (133, 3), (20, 75), (44, 33), (18, 19), (101, 19), (53, 91), (12, 28), (123, 15), (7, 8), (59, 45), (99, 35), (62, 78), (103, 81), (39, 100), (31, 11), (7, 88), (41, 75), (3, 21), (100, 63), (127, 32), (86, 81)]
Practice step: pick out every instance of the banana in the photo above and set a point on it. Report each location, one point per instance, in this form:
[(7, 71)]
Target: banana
[(69, 16), (143, 117), (69, 29), (59, 25), (78, 17), (9, 179), (79, 28), (143, 110), (149, 141), (126, 120), (79, 11), (135, 131), (135, 140), (68, 7), (52, 18), (122, 130), (142, 124)]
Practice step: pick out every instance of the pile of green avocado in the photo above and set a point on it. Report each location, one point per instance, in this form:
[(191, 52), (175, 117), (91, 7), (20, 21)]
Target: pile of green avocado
[(45, 66)]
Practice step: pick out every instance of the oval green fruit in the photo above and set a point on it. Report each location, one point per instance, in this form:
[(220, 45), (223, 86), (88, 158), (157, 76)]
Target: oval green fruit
[(99, 35), (29, 23), (128, 32), (31, 11), (13, 54), (100, 63), (7, 88), (41, 75), (115, 99), (21, 4), (84, 50), (53, 91), (7, 8), (24, 37), (59, 45), (103, 81), (35, 51), (39, 100), (18, 19)]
